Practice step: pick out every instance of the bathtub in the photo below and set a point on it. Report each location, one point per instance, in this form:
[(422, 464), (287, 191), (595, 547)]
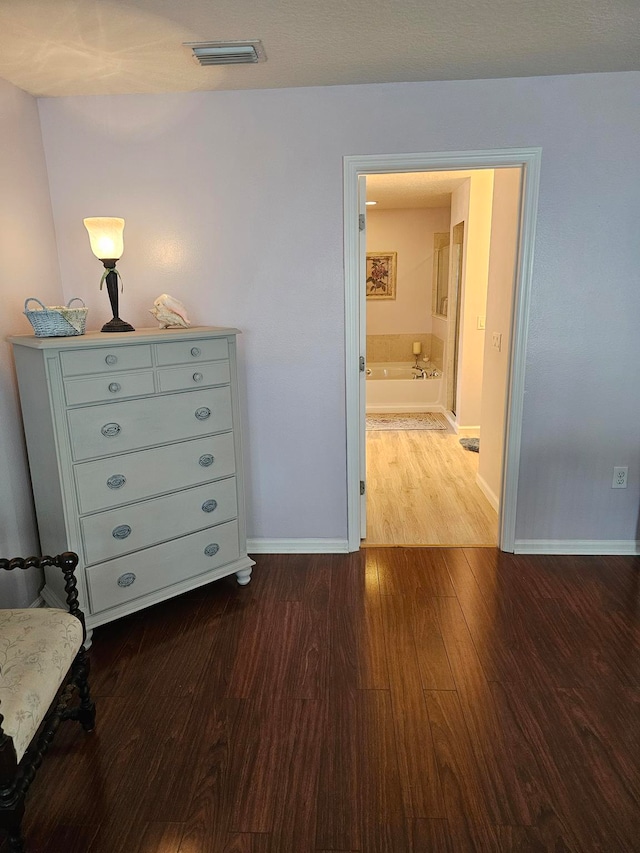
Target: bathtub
[(392, 388)]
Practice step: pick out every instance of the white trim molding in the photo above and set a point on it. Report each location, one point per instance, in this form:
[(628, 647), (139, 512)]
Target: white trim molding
[(354, 166), (488, 492), (579, 547), (297, 546), (38, 602)]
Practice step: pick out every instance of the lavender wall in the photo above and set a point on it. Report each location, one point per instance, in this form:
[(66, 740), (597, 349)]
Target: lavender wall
[(29, 268), (233, 202)]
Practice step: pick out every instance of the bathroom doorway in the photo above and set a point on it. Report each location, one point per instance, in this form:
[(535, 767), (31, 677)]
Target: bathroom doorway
[(511, 332), (423, 486)]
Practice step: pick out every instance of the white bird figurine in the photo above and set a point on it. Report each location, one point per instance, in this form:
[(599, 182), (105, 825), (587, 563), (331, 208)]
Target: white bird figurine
[(169, 311)]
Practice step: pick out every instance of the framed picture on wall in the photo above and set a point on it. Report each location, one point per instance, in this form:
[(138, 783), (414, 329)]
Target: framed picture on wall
[(381, 275)]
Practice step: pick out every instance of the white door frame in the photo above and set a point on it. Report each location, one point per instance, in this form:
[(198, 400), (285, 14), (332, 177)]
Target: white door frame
[(355, 344)]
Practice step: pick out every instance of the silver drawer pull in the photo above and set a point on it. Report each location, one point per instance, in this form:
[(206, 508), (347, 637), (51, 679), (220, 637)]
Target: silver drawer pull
[(209, 506), (203, 413), (126, 579), (116, 481), (121, 531), (114, 387), (198, 377), (111, 359), (109, 430), (212, 549), (205, 460), (195, 351)]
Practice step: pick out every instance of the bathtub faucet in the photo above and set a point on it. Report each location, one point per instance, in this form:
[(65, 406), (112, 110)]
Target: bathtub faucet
[(419, 372)]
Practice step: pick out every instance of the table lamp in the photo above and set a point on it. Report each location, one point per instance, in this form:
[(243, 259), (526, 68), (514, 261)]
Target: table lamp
[(107, 244)]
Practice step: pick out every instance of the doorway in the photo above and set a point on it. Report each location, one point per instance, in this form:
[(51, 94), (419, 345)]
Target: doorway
[(428, 479), (354, 169)]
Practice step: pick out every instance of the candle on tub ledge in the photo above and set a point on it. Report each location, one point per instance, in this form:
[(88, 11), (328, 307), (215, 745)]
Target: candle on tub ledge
[(417, 348)]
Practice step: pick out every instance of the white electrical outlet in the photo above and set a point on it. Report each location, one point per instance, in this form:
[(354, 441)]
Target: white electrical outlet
[(496, 340), (620, 475)]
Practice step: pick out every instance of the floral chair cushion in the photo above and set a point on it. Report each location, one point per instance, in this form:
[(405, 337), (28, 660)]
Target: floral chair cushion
[(37, 648)]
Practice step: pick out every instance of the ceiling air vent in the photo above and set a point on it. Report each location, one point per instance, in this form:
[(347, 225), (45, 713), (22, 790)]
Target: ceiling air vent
[(227, 52)]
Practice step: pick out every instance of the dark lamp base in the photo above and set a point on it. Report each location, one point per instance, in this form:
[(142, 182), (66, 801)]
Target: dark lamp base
[(117, 325)]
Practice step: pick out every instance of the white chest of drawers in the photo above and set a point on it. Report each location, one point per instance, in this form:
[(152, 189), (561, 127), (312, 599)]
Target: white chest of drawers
[(136, 464)]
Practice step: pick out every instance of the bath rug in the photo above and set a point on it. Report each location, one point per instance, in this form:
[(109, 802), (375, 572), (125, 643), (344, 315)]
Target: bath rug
[(472, 444), (413, 420)]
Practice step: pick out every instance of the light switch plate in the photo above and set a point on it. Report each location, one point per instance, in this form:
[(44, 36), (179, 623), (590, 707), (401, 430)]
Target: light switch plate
[(481, 322)]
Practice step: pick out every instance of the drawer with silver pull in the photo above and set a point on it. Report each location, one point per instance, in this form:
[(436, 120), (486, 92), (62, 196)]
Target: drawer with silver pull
[(192, 352), (106, 483), (106, 359), (128, 528), (114, 428), (179, 378), (124, 579), (111, 386)]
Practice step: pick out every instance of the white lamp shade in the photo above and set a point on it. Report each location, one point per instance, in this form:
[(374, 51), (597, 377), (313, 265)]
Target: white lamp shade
[(106, 236)]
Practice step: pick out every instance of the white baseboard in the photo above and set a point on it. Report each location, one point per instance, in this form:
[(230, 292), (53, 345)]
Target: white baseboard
[(467, 431), (39, 602), (451, 418), (297, 546), (580, 547), (488, 492)]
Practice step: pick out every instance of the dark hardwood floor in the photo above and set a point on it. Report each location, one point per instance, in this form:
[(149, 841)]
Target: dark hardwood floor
[(399, 699)]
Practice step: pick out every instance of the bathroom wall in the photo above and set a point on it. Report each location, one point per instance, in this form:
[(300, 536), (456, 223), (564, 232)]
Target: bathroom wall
[(398, 347), (471, 204), (394, 325), (234, 202), (29, 268), (410, 234), (502, 261), (459, 213)]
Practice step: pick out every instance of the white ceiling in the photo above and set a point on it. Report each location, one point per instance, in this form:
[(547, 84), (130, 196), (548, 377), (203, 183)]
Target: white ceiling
[(72, 47), (413, 190)]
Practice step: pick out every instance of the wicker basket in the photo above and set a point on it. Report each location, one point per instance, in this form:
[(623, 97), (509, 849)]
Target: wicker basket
[(57, 321)]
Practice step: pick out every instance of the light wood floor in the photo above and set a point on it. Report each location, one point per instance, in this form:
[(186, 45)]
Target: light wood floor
[(421, 490)]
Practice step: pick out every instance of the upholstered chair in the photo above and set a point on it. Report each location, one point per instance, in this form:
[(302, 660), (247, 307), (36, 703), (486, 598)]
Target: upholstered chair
[(43, 663)]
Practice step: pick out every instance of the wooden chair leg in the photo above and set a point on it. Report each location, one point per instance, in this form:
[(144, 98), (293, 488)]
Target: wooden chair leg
[(16, 843), (86, 712), (11, 823)]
